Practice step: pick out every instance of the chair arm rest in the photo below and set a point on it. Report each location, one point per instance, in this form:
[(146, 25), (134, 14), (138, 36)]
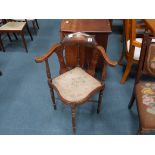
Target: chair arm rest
[(48, 54), (106, 58), (137, 44)]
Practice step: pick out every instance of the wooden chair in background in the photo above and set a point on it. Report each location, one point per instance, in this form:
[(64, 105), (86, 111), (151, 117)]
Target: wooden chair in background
[(34, 22), (2, 22), (15, 27), (133, 34), (144, 92), (75, 85)]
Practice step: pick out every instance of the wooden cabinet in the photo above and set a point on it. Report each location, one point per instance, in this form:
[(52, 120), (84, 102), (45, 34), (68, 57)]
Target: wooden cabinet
[(100, 28)]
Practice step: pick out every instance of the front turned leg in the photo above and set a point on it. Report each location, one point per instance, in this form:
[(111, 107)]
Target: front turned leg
[(52, 96), (73, 108), (99, 101)]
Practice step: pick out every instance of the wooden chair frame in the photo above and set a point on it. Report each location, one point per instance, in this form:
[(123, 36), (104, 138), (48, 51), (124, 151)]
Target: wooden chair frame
[(147, 41), (34, 23), (27, 26), (129, 32), (58, 49), (1, 43)]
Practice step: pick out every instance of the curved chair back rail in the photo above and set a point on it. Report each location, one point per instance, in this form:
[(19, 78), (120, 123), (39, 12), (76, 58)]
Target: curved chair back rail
[(81, 40)]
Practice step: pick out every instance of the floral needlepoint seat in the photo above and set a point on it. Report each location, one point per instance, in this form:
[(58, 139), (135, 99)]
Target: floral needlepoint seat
[(144, 91), (146, 103)]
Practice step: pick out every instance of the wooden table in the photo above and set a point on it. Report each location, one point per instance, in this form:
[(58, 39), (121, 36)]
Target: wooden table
[(100, 28), (150, 23), (14, 27)]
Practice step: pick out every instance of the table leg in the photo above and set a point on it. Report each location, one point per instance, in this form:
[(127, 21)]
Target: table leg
[(34, 27), (27, 27), (15, 36), (37, 23), (9, 37), (1, 44), (24, 42)]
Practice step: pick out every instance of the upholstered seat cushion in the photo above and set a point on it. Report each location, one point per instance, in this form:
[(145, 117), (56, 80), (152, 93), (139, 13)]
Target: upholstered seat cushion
[(11, 26), (145, 95), (75, 85), (137, 49)]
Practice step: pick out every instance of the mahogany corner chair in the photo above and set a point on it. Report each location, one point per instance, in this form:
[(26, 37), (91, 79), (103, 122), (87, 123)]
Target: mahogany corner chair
[(144, 91), (75, 85)]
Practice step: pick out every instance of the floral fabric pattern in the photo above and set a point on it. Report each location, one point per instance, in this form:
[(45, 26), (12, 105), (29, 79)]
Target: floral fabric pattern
[(152, 64), (148, 96), (151, 59), (75, 85)]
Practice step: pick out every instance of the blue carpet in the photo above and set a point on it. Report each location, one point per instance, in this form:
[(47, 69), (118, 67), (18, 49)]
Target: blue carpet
[(25, 104)]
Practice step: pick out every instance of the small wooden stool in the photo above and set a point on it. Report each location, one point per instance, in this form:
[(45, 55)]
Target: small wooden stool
[(14, 27)]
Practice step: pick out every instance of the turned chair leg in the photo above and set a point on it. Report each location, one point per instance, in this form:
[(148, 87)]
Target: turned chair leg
[(24, 42), (27, 27), (37, 23), (131, 100), (73, 108), (99, 101), (52, 96), (126, 73)]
